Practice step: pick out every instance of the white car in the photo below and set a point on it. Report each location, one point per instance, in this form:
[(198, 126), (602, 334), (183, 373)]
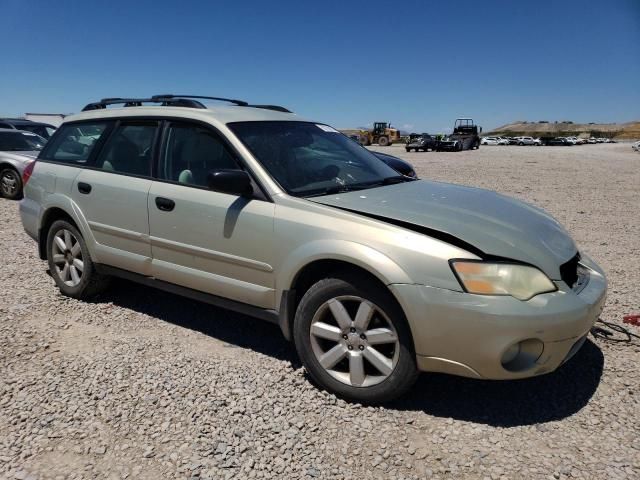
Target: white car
[(502, 141), (636, 146), (528, 141), (592, 140), (489, 141)]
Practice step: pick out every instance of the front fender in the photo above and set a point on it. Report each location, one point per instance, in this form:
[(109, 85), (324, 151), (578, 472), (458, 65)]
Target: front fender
[(367, 258)]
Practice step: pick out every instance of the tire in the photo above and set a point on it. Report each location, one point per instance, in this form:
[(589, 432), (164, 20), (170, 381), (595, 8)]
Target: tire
[(521, 144), (63, 260), (362, 381), (10, 184), (383, 141), (408, 150)]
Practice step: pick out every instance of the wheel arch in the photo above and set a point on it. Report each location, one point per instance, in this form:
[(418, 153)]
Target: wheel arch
[(50, 216), (342, 261), (4, 164)]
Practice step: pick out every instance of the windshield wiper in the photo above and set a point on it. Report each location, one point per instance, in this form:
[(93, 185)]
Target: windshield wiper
[(396, 179), (332, 190)]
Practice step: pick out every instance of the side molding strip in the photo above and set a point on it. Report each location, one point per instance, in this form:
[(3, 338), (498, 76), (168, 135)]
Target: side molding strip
[(211, 254), (246, 309)]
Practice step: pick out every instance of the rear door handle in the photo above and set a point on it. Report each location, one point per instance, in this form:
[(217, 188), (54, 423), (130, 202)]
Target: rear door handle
[(84, 188), (165, 204)]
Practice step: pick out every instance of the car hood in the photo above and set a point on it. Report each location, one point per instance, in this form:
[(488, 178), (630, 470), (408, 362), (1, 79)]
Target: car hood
[(496, 225)]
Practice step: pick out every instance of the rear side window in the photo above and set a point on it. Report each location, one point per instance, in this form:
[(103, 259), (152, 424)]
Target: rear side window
[(128, 149), (73, 143), (190, 152)]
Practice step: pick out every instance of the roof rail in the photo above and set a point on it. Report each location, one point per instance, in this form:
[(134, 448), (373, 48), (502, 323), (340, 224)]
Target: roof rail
[(170, 100), (137, 102), (277, 108), (241, 103)]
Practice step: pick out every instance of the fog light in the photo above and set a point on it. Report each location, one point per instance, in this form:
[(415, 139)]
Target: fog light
[(511, 353), (522, 355)]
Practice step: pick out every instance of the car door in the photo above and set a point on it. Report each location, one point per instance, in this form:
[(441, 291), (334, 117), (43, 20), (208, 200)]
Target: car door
[(209, 241), (112, 195)]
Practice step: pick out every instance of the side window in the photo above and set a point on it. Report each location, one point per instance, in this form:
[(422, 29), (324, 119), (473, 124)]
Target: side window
[(73, 143), (128, 149), (190, 152), (5, 125)]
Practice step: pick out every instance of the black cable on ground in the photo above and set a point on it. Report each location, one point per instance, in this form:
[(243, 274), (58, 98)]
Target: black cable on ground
[(610, 336)]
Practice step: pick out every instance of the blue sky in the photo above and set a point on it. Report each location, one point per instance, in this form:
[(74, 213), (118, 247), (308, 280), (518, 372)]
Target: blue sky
[(418, 64)]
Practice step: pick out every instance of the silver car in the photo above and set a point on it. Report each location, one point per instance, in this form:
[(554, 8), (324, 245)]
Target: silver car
[(17, 149), (529, 141), (373, 275)]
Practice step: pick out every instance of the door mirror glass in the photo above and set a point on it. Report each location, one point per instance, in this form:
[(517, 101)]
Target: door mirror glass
[(234, 182)]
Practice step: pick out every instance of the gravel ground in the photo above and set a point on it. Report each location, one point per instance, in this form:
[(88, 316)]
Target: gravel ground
[(143, 384)]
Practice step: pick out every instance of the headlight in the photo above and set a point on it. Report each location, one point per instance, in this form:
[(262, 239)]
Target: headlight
[(486, 278)]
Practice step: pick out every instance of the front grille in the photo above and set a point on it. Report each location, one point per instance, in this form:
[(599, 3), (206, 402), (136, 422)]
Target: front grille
[(569, 271)]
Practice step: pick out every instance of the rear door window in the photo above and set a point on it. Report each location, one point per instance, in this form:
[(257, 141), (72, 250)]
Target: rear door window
[(73, 143), (129, 149)]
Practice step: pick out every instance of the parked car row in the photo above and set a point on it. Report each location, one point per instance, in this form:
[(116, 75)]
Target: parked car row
[(20, 142), (566, 141), (43, 129), (17, 149), (510, 141)]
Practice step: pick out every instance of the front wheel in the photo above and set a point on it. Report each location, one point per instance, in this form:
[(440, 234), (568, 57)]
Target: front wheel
[(10, 184), (70, 263), (383, 141), (353, 339)]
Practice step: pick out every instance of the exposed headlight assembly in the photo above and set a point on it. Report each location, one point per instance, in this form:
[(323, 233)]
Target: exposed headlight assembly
[(495, 278)]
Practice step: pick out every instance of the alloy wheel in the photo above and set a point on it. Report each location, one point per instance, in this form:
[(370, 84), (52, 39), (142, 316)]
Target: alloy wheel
[(354, 341), (67, 257)]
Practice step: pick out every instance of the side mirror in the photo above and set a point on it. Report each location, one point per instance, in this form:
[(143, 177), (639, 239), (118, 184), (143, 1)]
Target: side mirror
[(234, 182)]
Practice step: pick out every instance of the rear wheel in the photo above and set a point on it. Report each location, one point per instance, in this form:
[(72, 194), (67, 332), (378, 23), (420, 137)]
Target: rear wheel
[(10, 184), (408, 150), (70, 263), (353, 339), (383, 141)]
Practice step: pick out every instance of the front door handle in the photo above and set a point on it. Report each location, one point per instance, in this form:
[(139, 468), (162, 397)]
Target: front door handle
[(165, 204), (84, 188)]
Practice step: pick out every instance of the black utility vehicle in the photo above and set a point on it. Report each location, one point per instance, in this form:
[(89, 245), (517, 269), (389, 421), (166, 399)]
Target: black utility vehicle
[(465, 136), (421, 141), (557, 141)]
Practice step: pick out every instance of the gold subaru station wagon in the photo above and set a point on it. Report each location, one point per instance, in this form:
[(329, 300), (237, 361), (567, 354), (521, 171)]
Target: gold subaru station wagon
[(374, 275)]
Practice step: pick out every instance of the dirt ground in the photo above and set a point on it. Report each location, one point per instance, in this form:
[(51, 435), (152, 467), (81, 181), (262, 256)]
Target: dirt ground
[(143, 384)]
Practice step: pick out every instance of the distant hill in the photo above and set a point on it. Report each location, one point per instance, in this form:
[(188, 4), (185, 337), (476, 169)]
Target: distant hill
[(630, 130)]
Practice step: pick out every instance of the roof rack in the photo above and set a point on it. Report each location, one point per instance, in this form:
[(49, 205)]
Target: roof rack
[(170, 100), (240, 103), (137, 102)]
